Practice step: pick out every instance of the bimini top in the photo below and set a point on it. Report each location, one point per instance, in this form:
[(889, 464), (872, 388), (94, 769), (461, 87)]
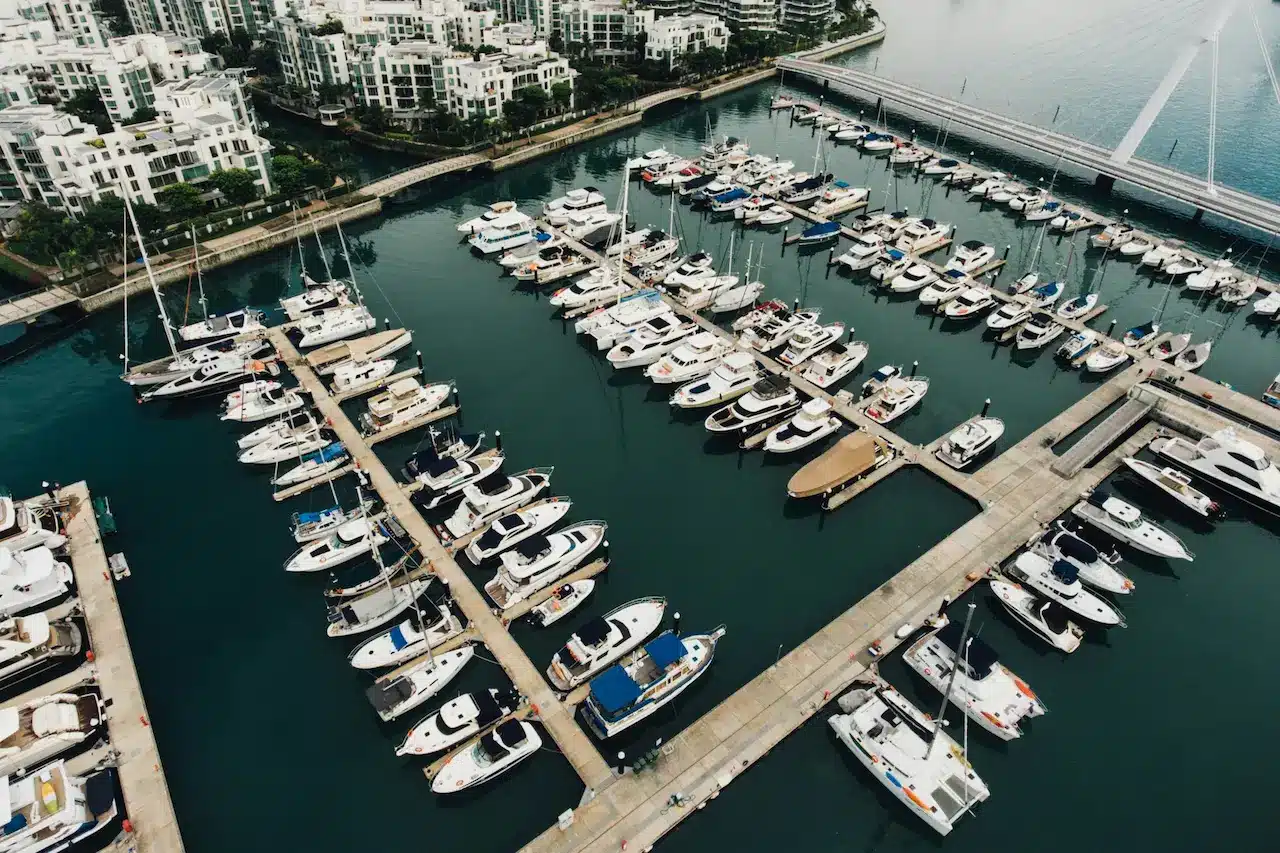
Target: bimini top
[(1066, 572), (665, 649), (1074, 547), (613, 690), (980, 657)]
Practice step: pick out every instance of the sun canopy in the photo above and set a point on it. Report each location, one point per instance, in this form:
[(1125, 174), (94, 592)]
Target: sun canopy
[(666, 649), (1066, 572), (613, 690), (980, 656), (1076, 548)]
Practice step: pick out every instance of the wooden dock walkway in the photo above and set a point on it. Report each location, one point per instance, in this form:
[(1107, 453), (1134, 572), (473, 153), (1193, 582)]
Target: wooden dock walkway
[(142, 779), (558, 719), (307, 485)]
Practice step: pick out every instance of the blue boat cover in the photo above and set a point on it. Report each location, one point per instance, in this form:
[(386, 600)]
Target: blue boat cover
[(896, 254), (613, 690), (731, 195), (542, 236), (840, 184), (313, 517), (666, 649), (1065, 571), (397, 638), (325, 454), (954, 275), (821, 228)]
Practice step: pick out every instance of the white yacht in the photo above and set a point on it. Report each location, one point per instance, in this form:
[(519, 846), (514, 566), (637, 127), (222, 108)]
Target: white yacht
[(603, 640), (521, 255), (403, 402), (459, 719), (913, 278), (370, 610), (970, 256), (328, 360), (353, 539), (259, 400), (408, 687), (23, 527), (773, 326), (658, 246), (209, 378), (51, 810), (1108, 356), (1231, 463), (809, 340), (835, 363), (948, 286), (513, 528), (650, 158), (838, 198), (1175, 484), (316, 296), (921, 235), (1060, 582), (969, 441), (1124, 522), (426, 627), (1040, 330), (597, 286), (31, 578), (908, 753), (502, 236), (771, 397), (898, 396), (1268, 305), (814, 422), (494, 496), (493, 754), (1043, 618), (310, 526), (862, 253), (362, 374), (970, 304), (444, 478), (493, 213), (1005, 194), (609, 324), (1008, 315), (1137, 245), (650, 342), (734, 376), (692, 359), (1159, 255), (541, 560), (890, 264), (988, 185), (335, 324), (736, 298), (222, 326), (1141, 333), (284, 443), (586, 200), (29, 644), (1029, 199), (327, 459), (1096, 569), (696, 266), (224, 353), (1182, 265), (552, 264), (43, 728), (1217, 275), (582, 226)]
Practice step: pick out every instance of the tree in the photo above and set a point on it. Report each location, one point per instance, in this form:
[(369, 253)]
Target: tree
[(241, 39), (182, 200), (374, 118), (486, 49), (562, 94), (264, 59), (318, 175), (143, 114), (519, 114), (214, 42), (332, 93), (87, 105), (330, 27), (236, 185), (287, 172), (556, 42)]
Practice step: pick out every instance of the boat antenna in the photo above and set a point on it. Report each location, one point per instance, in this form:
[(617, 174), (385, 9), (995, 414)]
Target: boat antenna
[(146, 262), (195, 250), (124, 281), (951, 681), (622, 226), (323, 257)]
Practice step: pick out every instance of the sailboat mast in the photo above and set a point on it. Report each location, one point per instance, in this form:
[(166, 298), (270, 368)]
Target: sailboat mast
[(297, 235), (622, 226), (195, 249), (324, 259), (351, 270), (731, 236), (951, 681), (146, 262), (124, 282)]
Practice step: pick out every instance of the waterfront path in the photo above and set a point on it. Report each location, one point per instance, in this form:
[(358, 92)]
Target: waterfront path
[(28, 306)]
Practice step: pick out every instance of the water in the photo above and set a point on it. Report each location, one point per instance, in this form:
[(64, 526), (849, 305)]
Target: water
[(243, 686)]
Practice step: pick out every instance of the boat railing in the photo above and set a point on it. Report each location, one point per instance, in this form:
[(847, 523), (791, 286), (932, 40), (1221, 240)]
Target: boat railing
[(545, 471)]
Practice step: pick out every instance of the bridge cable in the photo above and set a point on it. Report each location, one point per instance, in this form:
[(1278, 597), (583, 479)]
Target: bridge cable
[(1266, 56), (1213, 112)]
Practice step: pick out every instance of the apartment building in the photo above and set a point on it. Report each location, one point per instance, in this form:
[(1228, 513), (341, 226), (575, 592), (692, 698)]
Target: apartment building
[(406, 79), (676, 35), (608, 27), (806, 15), (742, 14), (479, 88)]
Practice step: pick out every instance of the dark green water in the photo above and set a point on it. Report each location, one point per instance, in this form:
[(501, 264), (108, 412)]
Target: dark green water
[(248, 695)]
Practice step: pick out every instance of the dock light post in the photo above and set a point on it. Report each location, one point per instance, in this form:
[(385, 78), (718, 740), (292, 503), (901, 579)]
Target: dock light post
[(986, 406), (497, 437), (675, 623), (795, 305), (915, 365), (784, 241), (1111, 329), (419, 355), (1007, 249), (971, 153), (386, 323)]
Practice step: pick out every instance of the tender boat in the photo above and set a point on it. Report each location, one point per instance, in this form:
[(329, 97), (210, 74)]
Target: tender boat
[(646, 680), (1107, 357), (1123, 521), (1231, 463), (896, 398), (809, 340), (562, 601), (513, 528), (1060, 582), (540, 561), (586, 200), (1008, 315), (970, 256), (495, 211), (650, 342), (404, 401), (835, 363), (808, 426), (37, 731), (969, 441), (329, 458), (1078, 344), (218, 327), (459, 719), (492, 755), (771, 397), (1176, 485), (1193, 358), (427, 627), (33, 643), (1043, 618), (495, 496), (1078, 307), (1096, 570), (693, 358), (334, 325), (1171, 346), (601, 641), (375, 608), (734, 376), (392, 697), (913, 278), (259, 400), (951, 284), (31, 578), (1039, 331), (353, 539), (970, 304)]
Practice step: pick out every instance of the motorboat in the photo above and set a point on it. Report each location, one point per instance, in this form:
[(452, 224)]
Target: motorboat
[(1043, 618), (803, 192), (494, 211), (862, 253), (1070, 221), (891, 225), (458, 720), (316, 296), (988, 185), (658, 246), (494, 496), (701, 196), (426, 627), (597, 287), (890, 264), (771, 397), (358, 376), (504, 236), (541, 560), (222, 326), (909, 155), (654, 175), (653, 273), (1137, 245), (944, 288), (1140, 334), (1039, 331), (408, 687), (563, 600), (853, 456), (838, 197), (1124, 522), (31, 578), (581, 226), (774, 326), (908, 753), (984, 689), (33, 643), (602, 641), (1008, 315), (1107, 357), (776, 215), (552, 264), (610, 324), (736, 298), (284, 444), (970, 256), (913, 278), (726, 201), (674, 177), (1159, 255), (1096, 569), (921, 235), (698, 293), (1044, 211), (1078, 307), (521, 255), (691, 268), (1175, 484), (970, 304), (821, 232), (1025, 283), (1059, 582), (260, 400), (351, 540), (735, 375), (585, 200), (1171, 346), (808, 426), (695, 357), (310, 526), (493, 754), (650, 342), (877, 143), (209, 378), (223, 353), (334, 325), (444, 478), (511, 529), (52, 810), (898, 396), (1229, 462), (1005, 194), (1183, 265), (941, 166), (1193, 358), (1078, 344), (968, 442), (1029, 199), (809, 340), (1271, 396), (835, 363), (375, 608), (23, 525), (1235, 292), (782, 102), (404, 402), (326, 361), (646, 680), (879, 379), (752, 207), (1113, 236), (725, 145), (456, 446), (650, 158), (1217, 274), (1045, 295), (318, 463), (37, 731)]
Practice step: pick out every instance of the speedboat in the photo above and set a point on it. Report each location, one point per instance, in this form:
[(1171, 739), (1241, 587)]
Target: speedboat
[(835, 363), (353, 539), (1140, 334), (862, 254), (37, 731), (521, 255), (879, 379), (656, 174), (695, 357), (941, 166), (1182, 265), (1029, 199), (286, 444), (974, 680), (24, 526), (444, 478), (774, 326), (362, 374), (209, 378), (494, 496), (969, 441), (891, 264), (775, 216), (1078, 307), (316, 296), (1113, 236), (896, 398), (1045, 211), (407, 688), (1216, 275), (1046, 294), (1175, 484), (810, 425), (1096, 570), (222, 326), (224, 353), (970, 304), (503, 235), (1271, 396), (598, 286), (970, 256), (327, 459), (1159, 255), (334, 325), (908, 753), (51, 810), (921, 235), (1231, 463), (1171, 346), (1078, 344), (34, 643), (988, 185), (260, 400), (1060, 582), (1107, 357), (821, 232), (646, 680), (31, 578), (585, 200), (771, 397), (909, 155), (650, 158), (493, 754), (1238, 292), (650, 342), (675, 177), (541, 560), (1039, 331), (1137, 245), (494, 211), (371, 610), (563, 600), (1008, 315), (425, 628), (1043, 618), (951, 284), (838, 197), (915, 277), (1070, 221), (1193, 358), (877, 143), (459, 719), (1123, 521), (734, 376), (404, 402), (513, 528), (809, 340), (603, 640)]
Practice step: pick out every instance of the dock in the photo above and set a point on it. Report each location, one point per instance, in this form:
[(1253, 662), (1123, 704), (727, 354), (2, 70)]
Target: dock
[(590, 570), (558, 719), (409, 426), (142, 779), (307, 485)]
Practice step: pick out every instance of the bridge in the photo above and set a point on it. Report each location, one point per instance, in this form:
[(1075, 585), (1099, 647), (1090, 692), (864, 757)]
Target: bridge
[(28, 306), (1204, 196)]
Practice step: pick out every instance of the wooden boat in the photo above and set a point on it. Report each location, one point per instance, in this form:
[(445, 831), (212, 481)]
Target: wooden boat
[(852, 456)]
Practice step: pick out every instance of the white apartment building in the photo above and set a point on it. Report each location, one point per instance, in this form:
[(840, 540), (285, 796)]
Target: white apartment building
[(76, 21), (542, 15), (806, 15), (743, 14), (406, 79), (662, 8), (672, 37), (607, 26), (308, 60), (480, 88)]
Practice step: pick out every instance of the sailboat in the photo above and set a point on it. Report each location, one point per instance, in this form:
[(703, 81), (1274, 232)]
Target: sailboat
[(316, 295), (335, 324), (217, 327)]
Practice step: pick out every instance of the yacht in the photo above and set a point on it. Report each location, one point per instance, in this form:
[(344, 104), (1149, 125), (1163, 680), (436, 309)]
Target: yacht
[(726, 201), (426, 627), (511, 529), (410, 686), (551, 264), (735, 375), (736, 298), (650, 342), (591, 227), (495, 496), (1045, 211), (31, 578), (693, 267), (1043, 618), (1171, 346), (983, 688), (603, 640), (647, 679), (1040, 330), (286, 444), (353, 539), (1106, 357), (896, 398), (404, 402), (773, 326), (295, 422), (444, 478), (23, 526), (951, 284), (1137, 245), (694, 358), (969, 441), (809, 340), (805, 191), (598, 286), (890, 264), (52, 810), (34, 732), (697, 293), (310, 526), (1005, 194), (316, 296), (1060, 582), (327, 459), (494, 212), (209, 378), (1271, 396), (225, 353), (577, 201), (328, 360), (1193, 358), (541, 560), (493, 754), (1176, 485), (771, 397), (260, 400), (835, 363), (218, 327), (879, 379), (908, 753), (459, 719), (650, 158), (503, 236), (921, 235), (334, 325), (970, 256), (808, 426), (1231, 463), (877, 143), (988, 185), (970, 304), (1029, 199), (1096, 569), (1182, 265), (33, 643), (838, 198), (913, 278), (862, 253), (1009, 315), (1160, 255), (658, 246), (522, 255), (610, 324), (1123, 521), (1113, 236), (1078, 307), (373, 609), (1217, 275)]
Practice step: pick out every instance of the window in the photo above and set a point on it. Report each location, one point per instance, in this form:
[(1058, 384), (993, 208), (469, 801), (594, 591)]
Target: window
[(128, 170), (1236, 475), (1257, 465)]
